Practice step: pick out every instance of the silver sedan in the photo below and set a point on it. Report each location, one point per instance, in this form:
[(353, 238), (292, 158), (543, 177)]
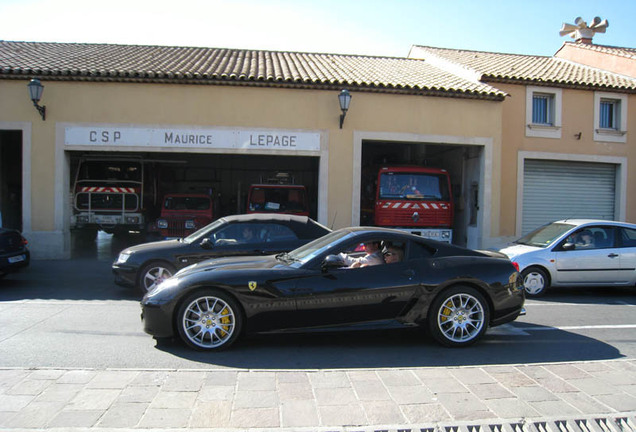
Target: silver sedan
[(576, 252)]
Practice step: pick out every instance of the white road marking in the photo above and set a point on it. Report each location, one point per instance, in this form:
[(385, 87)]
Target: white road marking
[(583, 327), (615, 303)]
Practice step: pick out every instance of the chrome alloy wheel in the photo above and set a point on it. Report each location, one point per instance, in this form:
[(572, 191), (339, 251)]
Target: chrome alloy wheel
[(461, 318), (208, 322), (153, 276)]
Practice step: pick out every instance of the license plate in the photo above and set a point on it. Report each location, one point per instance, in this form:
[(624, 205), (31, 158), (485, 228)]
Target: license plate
[(106, 220), (431, 234), (16, 259)]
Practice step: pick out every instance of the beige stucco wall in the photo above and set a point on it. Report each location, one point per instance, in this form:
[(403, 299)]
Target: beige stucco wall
[(589, 56), (577, 117), (400, 116)]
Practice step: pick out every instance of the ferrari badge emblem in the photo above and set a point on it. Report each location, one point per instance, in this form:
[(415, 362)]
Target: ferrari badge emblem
[(251, 285)]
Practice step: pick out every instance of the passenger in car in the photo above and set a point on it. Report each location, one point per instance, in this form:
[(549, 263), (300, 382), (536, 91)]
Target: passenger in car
[(393, 254)]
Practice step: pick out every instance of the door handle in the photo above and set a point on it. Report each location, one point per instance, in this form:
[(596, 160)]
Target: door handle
[(612, 255)]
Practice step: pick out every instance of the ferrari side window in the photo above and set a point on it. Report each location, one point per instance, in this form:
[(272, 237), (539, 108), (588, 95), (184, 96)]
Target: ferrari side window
[(418, 250), (368, 253)]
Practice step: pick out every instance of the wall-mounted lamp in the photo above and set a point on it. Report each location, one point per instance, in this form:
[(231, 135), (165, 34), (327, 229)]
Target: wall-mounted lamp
[(345, 99), (35, 93)]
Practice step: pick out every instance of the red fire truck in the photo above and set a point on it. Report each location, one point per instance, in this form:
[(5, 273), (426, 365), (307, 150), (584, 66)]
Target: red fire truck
[(278, 194), (415, 199), (182, 214)]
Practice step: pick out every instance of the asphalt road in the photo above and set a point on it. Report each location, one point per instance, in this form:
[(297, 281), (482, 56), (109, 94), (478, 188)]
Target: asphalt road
[(69, 314)]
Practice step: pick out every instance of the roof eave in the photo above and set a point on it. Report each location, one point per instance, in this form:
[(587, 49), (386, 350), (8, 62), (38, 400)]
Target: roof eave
[(552, 83), (195, 79)]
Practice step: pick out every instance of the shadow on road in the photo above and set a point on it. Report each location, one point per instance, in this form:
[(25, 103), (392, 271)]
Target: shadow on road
[(75, 279), (86, 276), (397, 348)]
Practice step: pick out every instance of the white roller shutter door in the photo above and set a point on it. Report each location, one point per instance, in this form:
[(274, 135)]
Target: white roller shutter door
[(555, 190)]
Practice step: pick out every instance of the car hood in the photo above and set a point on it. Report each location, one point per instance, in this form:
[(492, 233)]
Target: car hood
[(515, 250), (155, 246), (232, 263)]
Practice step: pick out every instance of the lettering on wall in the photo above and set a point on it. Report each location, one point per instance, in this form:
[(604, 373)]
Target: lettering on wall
[(273, 140), (104, 136), (176, 138), (248, 140)]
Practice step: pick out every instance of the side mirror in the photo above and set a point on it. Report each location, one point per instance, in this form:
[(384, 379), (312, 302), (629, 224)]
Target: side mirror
[(331, 262), (206, 243), (568, 247)]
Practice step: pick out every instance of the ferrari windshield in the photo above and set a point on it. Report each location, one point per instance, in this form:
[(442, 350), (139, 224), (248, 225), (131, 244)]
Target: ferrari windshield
[(546, 235), (313, 249)]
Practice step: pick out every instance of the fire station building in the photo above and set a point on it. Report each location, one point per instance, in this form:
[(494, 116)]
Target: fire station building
[(223, 119)]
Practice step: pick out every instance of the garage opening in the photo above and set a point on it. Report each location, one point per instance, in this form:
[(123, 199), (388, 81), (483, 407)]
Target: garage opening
[(11, 179), (462, 165), (211, 185), (554, 190)]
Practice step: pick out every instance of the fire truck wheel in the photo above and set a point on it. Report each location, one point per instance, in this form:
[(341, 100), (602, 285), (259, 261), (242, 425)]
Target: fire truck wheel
[(152, 274)]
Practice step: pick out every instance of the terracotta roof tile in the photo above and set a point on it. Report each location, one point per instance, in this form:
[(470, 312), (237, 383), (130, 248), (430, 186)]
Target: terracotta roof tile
[(496, 67), (68, 61), (606, 49)]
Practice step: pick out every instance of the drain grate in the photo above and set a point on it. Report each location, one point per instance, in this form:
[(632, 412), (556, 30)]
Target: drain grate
[(592, 424)]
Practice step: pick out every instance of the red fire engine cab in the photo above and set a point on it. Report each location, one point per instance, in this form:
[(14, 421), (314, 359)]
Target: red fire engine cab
[(415, 199), (108, 194), (183, 214), (278, 195)]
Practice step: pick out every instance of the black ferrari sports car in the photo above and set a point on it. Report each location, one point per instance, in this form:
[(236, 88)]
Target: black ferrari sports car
[(146, 265), (456, 293)]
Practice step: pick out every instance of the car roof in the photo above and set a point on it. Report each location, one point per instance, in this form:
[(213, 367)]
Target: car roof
[(304, 226), (581, 222)]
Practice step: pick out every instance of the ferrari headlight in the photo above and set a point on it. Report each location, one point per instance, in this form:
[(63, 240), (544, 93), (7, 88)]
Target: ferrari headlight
[(123, 257), (162, 287)]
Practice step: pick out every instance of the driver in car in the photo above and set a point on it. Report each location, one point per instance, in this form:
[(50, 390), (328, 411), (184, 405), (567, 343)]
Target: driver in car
[(373, 256)]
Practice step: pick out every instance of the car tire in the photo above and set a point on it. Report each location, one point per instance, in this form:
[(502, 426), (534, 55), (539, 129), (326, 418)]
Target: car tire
[(458, 317), (535, 281), (209, 320), (154, 273)]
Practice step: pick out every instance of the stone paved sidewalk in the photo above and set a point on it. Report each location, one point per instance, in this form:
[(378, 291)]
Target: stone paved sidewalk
[(313, 400)]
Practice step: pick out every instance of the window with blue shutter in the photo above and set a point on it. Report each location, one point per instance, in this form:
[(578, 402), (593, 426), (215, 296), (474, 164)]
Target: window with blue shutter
[(609, 112), (543, 109)]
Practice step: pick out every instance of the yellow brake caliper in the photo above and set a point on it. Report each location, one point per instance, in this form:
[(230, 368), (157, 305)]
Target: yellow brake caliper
[(225, 320), (446, 312)]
